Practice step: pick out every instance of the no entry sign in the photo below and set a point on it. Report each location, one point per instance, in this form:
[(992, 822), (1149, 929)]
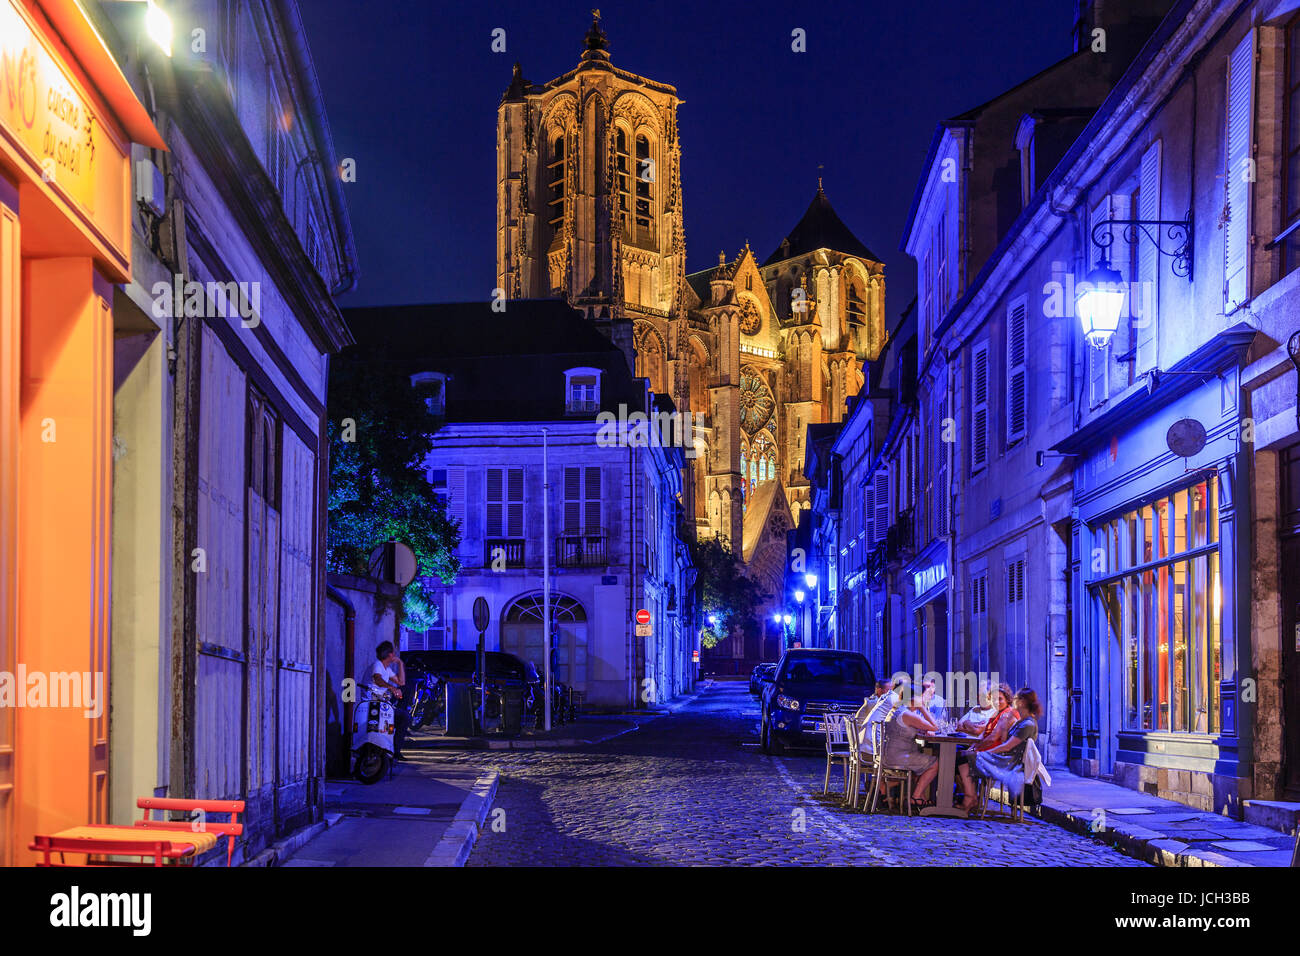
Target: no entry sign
[(643, 616)]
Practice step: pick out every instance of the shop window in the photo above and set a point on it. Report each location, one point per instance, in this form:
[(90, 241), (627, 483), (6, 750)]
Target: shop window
[(1156, 595)]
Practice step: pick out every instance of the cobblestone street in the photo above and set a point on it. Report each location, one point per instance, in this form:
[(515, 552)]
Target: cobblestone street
[(692, 788)]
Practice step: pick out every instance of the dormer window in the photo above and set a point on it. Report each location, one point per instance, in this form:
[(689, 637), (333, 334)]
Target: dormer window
[(434, 386), (582, 391)]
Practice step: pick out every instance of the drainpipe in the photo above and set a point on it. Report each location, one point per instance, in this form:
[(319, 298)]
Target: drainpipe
[(349, 651)]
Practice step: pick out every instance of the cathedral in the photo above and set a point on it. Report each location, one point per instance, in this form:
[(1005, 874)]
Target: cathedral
[(590, 208)]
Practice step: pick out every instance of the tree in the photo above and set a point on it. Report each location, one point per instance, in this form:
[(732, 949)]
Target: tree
[(380, 433), (729, 597)]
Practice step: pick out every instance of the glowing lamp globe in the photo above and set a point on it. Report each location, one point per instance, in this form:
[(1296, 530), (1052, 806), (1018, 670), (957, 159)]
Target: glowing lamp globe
[(1101, 299)]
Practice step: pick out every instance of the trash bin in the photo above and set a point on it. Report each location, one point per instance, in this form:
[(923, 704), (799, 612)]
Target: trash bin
[(460, 710), (512, 710)]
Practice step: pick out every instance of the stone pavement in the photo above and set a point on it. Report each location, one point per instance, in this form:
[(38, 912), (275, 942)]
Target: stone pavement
[(1160, 831), (691, 788)]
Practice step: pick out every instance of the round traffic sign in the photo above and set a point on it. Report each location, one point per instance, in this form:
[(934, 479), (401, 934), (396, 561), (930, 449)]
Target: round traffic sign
[(643, 616)]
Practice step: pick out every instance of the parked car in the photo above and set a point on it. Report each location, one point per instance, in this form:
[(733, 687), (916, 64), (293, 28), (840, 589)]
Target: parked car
[(760, 675), (505, 672), (811, 686)]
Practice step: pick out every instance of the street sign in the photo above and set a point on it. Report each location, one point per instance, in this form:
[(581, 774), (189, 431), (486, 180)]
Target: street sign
[(643, 616), (644, 630), (480, 614)]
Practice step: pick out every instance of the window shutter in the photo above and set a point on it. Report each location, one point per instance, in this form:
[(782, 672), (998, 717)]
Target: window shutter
[(515, 504), (1145, 325), (572, 500), (591, 518), (456, 498), (494, 503), (941, 481), (979, 407), (869, 514), (882, 503), (1239, 106), (1017, 372)]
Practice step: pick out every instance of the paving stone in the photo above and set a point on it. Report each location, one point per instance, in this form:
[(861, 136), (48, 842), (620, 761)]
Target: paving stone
[(689, 789)]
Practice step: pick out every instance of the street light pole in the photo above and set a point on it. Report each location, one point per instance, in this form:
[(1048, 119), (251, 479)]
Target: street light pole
[(546, 584)]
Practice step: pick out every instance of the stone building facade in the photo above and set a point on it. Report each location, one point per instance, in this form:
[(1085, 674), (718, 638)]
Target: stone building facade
[(589, 208)]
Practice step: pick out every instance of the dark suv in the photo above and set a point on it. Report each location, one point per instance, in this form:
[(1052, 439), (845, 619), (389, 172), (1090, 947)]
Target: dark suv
[(811, 686)]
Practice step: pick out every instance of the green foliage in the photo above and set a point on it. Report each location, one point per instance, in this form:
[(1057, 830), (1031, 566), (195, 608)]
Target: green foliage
[(380, 433), (726, 591)]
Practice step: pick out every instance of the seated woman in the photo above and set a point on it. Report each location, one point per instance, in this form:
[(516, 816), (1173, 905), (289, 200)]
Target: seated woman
[(976, 719), (1003, 763), (997, 726), (900, 751)]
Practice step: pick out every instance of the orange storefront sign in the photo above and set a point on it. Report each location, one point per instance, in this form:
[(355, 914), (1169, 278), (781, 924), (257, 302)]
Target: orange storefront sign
[(45, 112), (67, 117)]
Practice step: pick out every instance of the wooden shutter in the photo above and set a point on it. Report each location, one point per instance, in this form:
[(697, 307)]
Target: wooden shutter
[(591, 505), (979, 441), (572, 500), (869, 514), (941, 482), (882, 503), (495, 502), (456, 497), (515, 503), (1239, 122), (1017, 372), (295, 666), (1147, 324)]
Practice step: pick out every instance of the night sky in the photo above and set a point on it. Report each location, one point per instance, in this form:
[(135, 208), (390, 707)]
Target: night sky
[(412, 88)]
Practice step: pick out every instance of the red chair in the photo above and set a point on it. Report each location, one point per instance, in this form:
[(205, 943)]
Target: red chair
[(231, 829), (108, 840)]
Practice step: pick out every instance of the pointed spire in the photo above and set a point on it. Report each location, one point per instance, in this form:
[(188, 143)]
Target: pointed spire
[(597, 41)]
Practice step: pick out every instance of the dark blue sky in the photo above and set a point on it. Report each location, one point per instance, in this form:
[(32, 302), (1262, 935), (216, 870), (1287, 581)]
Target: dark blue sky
[(412, 88)]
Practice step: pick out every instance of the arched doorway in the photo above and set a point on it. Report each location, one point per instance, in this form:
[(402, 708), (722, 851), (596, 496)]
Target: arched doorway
[(521, 635)]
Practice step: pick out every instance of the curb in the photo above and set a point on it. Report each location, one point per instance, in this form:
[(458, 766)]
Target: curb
[(277, 853), (459, 838), (1135, 841)]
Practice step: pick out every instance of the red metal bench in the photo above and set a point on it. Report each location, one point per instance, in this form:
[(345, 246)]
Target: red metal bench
[(191, 837)]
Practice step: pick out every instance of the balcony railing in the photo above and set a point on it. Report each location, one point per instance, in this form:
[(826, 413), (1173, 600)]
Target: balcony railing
[(507, 552), (581, 549), (581, 407)]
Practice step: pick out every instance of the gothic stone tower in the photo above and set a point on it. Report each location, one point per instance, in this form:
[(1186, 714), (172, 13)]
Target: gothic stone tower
[(589, 202), (777, 346)]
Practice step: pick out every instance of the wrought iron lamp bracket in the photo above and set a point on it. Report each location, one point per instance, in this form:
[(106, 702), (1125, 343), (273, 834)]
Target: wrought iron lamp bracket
[(1177, 233)]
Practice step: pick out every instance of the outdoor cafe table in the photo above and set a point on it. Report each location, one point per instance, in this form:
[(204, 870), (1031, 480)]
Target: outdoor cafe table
[(947, 745)]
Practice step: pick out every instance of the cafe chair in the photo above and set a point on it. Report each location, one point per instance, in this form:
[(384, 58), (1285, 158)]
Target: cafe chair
[(838, 751), (886, 775), (857, 760)]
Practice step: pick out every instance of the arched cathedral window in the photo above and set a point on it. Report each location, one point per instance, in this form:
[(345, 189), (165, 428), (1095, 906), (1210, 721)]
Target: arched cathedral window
[(555, 168), (622, 170), (855, 300), (645, 175)]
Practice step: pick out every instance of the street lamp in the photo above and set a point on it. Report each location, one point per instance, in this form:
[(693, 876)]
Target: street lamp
[(798, 596), (158, 25), (1101, 299), (811, 580)]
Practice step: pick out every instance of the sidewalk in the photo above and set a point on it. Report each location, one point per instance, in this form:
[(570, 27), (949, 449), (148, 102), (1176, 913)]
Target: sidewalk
[(426, 814), (1159, 831)]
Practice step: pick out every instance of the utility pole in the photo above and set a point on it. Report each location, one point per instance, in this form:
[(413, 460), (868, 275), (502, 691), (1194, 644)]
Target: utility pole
[(546, 581)]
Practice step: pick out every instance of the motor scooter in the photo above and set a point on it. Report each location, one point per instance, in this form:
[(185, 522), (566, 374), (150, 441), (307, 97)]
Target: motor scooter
[(372, 739)]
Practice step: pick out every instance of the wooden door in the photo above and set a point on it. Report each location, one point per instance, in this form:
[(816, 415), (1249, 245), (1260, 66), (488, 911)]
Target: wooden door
[(295, 672), (218, 566), (10, 374), (263, 600)]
